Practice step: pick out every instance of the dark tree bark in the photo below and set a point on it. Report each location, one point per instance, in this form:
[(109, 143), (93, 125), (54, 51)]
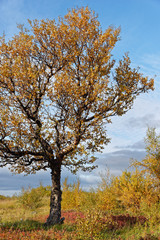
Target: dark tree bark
[(55, 200)]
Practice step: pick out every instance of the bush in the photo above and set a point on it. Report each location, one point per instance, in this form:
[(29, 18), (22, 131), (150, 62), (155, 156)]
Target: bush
[(3, 197), (106, 196), (32, 198), (126, 192), (71, 195), (133, 188), (92, 225)]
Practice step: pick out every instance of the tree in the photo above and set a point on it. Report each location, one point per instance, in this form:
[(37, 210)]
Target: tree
[(59, 86), (151, 163)]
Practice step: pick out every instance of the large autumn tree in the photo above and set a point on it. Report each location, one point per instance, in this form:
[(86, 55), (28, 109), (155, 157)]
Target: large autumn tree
[(59, 86)]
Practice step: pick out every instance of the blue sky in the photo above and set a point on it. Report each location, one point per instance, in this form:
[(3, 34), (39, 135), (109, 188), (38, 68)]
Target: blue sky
[(140, 36)]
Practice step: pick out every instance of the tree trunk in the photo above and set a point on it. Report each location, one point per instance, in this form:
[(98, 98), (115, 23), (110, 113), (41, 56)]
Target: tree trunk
[(55, 200)]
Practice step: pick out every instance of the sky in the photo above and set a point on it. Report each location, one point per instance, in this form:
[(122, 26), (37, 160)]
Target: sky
[(140, 37)]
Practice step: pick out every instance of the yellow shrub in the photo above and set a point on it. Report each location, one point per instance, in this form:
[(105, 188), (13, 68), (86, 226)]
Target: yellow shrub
[(127, 191), (107, 199), (132, 188), (71, 195)]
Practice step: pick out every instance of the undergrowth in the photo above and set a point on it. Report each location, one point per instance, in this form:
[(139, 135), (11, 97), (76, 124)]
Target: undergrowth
[(108, 212)]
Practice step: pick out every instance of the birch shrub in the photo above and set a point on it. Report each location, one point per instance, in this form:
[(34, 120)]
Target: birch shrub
[(32, 198)]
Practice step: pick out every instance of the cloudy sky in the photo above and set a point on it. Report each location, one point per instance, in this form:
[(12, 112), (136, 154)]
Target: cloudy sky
[(140, 36)]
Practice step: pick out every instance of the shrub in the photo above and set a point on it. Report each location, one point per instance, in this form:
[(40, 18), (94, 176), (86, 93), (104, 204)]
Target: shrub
[(32, 198), (71, 195), (3, 197), (133, 188), (126, 192), (106, 197), (92, 225)]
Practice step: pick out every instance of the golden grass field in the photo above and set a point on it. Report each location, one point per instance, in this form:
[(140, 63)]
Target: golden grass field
[(103, 213)]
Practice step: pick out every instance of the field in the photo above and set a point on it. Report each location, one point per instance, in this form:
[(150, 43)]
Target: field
[(100, 214)]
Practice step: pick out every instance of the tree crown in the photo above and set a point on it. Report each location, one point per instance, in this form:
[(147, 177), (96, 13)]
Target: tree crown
[(58, 87)]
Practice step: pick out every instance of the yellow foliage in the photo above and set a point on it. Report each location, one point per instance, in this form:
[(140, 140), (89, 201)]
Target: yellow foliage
[(57, 91), (132, 188), (127, 191), (151, 163), (107, 200), (72, 195)]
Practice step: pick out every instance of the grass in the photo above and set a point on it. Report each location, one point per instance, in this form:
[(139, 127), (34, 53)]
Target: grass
[(84, 219), (91, 224)]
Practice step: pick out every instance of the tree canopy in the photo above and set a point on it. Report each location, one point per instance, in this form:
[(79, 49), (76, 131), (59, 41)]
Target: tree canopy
[(57, 90)]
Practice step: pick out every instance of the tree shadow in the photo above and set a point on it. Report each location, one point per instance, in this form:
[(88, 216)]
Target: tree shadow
[(30, 225), (24, 225)]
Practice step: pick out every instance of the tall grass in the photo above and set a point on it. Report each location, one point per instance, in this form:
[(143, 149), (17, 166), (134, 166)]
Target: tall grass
[(109, 212)]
